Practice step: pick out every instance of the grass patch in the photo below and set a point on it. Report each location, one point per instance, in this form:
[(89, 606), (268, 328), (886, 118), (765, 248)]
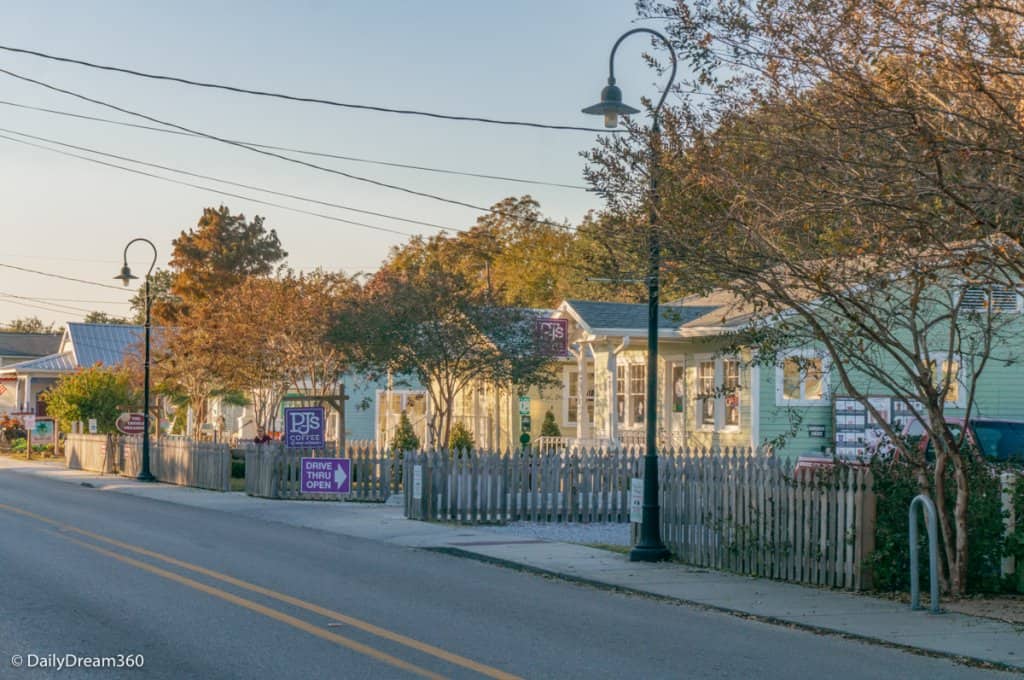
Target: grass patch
[(237, 484)]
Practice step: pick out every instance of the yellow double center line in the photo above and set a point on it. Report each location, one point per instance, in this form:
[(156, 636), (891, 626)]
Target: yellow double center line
[(305, 626)]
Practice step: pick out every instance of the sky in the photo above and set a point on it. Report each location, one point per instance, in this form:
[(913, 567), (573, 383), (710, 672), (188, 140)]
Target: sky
[(526, 60)]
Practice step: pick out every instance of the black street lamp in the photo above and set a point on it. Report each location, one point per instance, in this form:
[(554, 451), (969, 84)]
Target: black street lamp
[(126, 277), (650, 548)]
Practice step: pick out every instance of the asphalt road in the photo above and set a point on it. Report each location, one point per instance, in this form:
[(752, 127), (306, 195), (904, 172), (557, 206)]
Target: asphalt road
[(203, 594)]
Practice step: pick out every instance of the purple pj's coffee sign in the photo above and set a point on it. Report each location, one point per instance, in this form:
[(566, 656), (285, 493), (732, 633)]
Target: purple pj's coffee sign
[(304, 427)]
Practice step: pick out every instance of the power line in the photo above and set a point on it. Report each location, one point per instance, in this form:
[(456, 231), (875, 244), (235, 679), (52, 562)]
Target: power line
[(57, 299), (322, 154), (44, 308), (44, 300), (294, 98), (60, 276), (272, 154), (226, 181), (205, 188)]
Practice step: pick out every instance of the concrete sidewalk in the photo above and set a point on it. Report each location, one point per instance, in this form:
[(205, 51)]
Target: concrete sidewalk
[(969, 638)]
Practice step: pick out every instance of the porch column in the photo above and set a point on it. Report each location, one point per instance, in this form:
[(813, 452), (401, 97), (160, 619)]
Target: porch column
[(28, 404), (581, 393), (613, 388)]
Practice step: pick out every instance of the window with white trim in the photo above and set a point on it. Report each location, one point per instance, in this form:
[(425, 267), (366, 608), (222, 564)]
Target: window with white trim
[(637, 393), (801, 379), (990, 298), (573, 406), (620, 394), (941, 364), (718, 394), (706, 394)]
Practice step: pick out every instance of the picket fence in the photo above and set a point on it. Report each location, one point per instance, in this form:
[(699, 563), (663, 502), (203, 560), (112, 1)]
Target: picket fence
[(91, 452), (724, 509), (272, 471), (185, 462)]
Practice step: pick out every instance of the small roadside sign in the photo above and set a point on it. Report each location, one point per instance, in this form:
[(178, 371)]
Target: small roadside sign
[(326, 475), (131, 423), (93, 426), (524, 406), (417, 482), (636, 500), (524, 423)]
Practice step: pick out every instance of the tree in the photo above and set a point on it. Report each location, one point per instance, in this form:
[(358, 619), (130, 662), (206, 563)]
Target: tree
[(405, 438), (104, 318), (849, 175), (418, 317), (29, 324), (97, 392), (222, 251), (549, 428), (462, 439), (162, 301)]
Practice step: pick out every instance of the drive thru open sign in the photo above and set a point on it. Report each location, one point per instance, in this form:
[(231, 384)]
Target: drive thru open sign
[(326, 475)]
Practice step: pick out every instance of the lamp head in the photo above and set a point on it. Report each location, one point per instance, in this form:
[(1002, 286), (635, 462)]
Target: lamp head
[(611, 106), (126, 275)]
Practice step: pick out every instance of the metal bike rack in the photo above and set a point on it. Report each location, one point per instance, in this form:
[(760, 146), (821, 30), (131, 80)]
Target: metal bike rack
[(933, 554)]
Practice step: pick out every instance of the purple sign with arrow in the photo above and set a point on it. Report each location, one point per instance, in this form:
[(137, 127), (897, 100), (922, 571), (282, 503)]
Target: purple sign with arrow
[(326, 475)]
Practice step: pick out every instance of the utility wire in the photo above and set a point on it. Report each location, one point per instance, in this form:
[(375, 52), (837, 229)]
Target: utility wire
[(43, 300), (44, 308), (294, 98), (206, 188), (60, 276), (272, 154), (225, 181), (57, 299), (322, 154)]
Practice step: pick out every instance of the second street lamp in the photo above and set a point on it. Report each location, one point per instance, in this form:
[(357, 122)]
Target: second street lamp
[(650, 548), (126, 277)]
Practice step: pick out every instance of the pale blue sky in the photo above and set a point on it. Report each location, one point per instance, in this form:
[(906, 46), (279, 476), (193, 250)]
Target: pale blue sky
[(524, 59)]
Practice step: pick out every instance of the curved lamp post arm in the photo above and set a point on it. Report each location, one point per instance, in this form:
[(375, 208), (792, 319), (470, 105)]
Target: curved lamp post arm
[(144, 240), (671, 52)]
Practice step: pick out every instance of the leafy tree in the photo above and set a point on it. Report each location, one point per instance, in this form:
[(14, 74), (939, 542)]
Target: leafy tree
[(103, 317), (848, 164), (405, 438), (221, 252), (549, 428), (163, 302), (418, 317), (29, 324), (97, 392)]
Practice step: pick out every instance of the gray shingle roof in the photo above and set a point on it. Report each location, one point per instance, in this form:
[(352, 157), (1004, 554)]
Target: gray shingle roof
[(28, 344), (107, 344), (624, 315)]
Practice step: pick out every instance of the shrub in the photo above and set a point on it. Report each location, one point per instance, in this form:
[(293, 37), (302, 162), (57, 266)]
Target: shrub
[(896, 485), (461, 439), (405, 438), (549, 428)]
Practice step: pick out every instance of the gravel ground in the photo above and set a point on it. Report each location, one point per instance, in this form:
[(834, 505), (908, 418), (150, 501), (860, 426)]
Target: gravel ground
[(610, 534)]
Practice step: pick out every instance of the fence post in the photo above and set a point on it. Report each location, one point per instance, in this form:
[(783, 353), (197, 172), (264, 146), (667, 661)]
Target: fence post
[(1007, 485)]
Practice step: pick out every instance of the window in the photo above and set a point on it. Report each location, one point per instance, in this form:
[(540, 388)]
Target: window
[(940, 366), (620, 393), (573, 406), (637, 393), (801, 378), (678, 388), (731, 385), (993, 298), (706, 392), (718, 394)]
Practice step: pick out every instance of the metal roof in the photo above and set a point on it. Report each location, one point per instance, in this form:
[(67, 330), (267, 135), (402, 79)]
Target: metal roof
[(54, 363), (100, 343)]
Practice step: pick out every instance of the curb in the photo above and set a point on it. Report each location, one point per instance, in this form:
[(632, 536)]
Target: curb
[(771, 620)]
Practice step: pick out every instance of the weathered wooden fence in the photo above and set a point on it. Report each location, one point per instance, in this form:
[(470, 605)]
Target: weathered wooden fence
[(92, 452), (757, 515), (729, 509), (272, 471), (185, 462), (552, 486)]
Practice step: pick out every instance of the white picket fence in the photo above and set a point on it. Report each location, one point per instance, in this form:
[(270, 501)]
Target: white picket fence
[(724, 509), (92, 452), (185, 462)]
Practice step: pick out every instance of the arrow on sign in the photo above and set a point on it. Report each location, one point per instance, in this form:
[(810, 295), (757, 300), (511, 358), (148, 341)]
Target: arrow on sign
[(339, 477)]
